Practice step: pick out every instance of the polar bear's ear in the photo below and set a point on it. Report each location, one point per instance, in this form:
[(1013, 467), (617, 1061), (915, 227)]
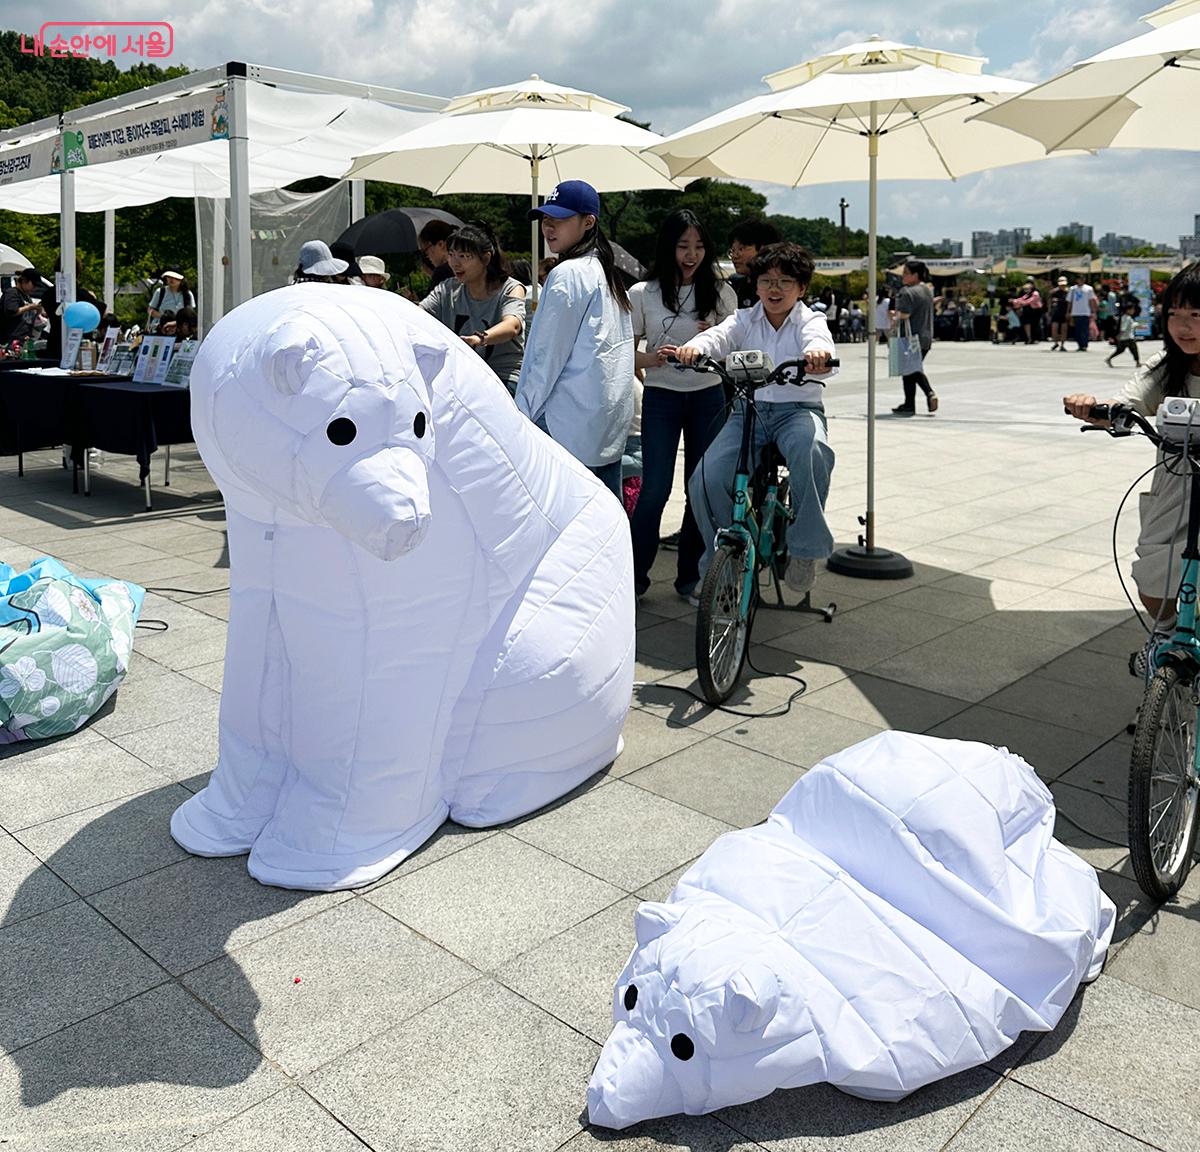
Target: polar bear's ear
[(654, 920), (751, 998), (289, 355)]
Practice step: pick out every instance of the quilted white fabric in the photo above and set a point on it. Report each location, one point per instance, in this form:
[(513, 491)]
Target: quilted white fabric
[(903, 914), (431, 608)]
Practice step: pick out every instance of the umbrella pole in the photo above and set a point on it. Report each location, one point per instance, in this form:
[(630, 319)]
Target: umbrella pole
[(535, 227), (865, 560)]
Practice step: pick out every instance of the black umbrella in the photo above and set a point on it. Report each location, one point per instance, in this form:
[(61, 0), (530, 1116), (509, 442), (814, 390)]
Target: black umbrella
[(391, 232)]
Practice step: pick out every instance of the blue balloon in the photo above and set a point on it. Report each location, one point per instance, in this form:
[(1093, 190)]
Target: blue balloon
[(81, 314)]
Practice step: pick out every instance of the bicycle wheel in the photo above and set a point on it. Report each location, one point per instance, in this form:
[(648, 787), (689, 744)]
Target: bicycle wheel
[(1163, 789), (722, 632)]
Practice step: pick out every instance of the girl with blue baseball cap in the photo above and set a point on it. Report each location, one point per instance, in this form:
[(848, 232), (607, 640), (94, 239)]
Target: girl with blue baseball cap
[(577, 377)]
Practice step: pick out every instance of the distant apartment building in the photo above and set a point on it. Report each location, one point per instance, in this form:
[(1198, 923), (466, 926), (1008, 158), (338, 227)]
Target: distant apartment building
[(952, 248), (998, 245), (1076, 231), (1112, 244), (1189, 246)]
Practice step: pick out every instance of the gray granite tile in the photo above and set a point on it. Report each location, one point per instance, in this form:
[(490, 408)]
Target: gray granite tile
[(495, 899), (821, 1119), (1092, 826), (63, 965), (145, 701), (1105, 771), (804, 737), (671, 1134), (572, 975), (483, 1069), (1048, 748), (660, 888), (1125, 1057), (623, 834), (445, 841), (359, 973), (938, 601), (27, 886), (733, 784), (1104, 708), (147, 1075), (885, 703), (1016, 1119), (110, 843), (193, 911), (672, 702), (210, 675), (69, 779), (647, 739), (1165, 958), (290, 1121), (186, 645), (178, 748)]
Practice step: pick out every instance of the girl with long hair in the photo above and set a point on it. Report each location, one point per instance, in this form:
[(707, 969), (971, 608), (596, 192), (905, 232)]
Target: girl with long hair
[(577, 377), (1175, 371), (682, 298), (481, 302)]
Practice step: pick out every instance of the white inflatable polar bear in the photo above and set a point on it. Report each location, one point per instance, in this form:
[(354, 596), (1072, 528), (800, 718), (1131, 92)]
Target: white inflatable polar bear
[(431, 609), (903, 914)]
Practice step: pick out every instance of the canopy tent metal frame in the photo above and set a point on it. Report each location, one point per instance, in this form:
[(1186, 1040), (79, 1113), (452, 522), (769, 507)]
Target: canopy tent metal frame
[(235, 76)]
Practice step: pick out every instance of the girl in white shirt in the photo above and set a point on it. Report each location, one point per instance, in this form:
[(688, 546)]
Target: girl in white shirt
[(682, 299)]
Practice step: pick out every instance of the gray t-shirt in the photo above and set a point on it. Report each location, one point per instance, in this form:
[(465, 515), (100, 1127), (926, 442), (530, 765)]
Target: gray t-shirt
[(917, 301), (453, 305)]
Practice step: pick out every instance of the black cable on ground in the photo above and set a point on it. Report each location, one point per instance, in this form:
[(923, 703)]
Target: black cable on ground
[(189, 591)]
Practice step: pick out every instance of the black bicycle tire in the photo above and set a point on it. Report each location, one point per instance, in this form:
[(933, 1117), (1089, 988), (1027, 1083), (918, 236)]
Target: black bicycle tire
[(1166, 681), (724, 555)]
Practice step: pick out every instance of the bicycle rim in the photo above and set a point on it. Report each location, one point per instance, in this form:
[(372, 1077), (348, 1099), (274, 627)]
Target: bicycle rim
[(1163, 790), (722, 632)]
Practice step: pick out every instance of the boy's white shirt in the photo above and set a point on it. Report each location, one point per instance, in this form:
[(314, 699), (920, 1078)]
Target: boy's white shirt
[(803, 331)]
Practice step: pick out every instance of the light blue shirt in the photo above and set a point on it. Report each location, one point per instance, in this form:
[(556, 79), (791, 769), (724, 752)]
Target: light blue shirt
[(578, 369)]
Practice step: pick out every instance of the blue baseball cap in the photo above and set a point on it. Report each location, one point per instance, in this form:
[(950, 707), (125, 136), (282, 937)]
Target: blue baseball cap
[(570, 198)]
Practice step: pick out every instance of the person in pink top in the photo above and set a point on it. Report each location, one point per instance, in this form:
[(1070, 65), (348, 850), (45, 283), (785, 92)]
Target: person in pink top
[(1029, 308)]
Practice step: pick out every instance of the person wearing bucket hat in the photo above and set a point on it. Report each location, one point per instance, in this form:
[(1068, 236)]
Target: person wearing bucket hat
[(577, 377), (318, 264), (1058, 316), (374, 274), (171, 295)]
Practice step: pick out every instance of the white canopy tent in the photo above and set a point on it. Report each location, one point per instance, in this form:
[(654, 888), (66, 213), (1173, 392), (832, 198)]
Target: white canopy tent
[(227, 131)]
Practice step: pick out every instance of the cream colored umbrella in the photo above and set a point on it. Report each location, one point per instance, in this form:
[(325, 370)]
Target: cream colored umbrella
[(874, 111), (517, 139), (1138, 94)]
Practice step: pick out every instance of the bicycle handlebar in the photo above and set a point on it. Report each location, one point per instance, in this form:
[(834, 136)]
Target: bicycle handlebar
[(777, 375), (1122, 420)]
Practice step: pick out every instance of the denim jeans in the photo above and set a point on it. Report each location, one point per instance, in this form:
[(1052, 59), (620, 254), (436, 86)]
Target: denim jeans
[(666, 415), (609, 475), (1082, 326), (799, 431)]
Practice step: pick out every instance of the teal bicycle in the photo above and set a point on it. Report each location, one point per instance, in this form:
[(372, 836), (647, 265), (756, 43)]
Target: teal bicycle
[(756, 540), (1164, 771)]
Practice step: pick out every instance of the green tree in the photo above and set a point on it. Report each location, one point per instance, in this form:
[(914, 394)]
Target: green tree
[(1059, 246)]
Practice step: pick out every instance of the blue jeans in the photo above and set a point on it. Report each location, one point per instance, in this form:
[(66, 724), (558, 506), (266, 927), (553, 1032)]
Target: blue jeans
[(799, 431), (698, 416), (1082, 326), (609, 475)]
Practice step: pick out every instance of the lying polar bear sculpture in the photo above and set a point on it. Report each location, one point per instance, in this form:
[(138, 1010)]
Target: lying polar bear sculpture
[(431, 607), (903, 914)]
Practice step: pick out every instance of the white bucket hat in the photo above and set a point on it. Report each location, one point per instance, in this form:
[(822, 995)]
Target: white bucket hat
[(372, 266), (317, 260)]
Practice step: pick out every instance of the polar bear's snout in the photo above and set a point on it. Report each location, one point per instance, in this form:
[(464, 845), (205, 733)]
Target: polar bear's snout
[(631, 1082), (381, 502)]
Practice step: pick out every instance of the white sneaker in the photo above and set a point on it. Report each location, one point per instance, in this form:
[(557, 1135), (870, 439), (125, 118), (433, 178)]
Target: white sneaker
[(800, 574)]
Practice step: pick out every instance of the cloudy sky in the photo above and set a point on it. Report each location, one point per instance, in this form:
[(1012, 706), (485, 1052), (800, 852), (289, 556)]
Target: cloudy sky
[(674, 61)]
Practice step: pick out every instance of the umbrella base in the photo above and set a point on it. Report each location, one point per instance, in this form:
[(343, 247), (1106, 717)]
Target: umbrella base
[(870, 564)]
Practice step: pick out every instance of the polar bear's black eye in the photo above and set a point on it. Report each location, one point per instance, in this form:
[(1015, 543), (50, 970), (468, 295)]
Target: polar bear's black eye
[(630, 997), (682, 1047), (419, 425), (341, 431)]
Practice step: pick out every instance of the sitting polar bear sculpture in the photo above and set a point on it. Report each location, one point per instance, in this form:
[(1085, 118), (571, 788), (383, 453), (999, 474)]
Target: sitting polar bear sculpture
[(903, 914), (431, 607)]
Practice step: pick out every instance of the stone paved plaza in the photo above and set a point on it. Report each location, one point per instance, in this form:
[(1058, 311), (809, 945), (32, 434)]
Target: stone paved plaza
[(150, 1000)]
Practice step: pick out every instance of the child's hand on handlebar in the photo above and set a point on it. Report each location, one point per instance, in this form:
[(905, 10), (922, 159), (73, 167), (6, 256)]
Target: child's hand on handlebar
[(1079, 405), (685, 355), (816, 363)]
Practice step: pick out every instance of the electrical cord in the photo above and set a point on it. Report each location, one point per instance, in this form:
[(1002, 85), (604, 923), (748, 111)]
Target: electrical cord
[(1116, 558)]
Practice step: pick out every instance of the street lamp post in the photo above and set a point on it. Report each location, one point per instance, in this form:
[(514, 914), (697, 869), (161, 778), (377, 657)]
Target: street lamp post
[(843, 204)]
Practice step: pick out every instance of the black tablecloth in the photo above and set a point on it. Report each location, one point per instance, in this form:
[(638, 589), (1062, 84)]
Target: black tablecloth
[(111, 413)]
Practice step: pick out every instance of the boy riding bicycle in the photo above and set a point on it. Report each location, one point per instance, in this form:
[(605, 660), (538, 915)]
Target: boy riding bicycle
[(790, 415)]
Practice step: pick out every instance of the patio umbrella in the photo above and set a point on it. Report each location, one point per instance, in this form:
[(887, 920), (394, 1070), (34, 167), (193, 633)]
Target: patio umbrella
[(1134, 95), (513, 138), (876, 110), (11, 261), (390, 232)]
